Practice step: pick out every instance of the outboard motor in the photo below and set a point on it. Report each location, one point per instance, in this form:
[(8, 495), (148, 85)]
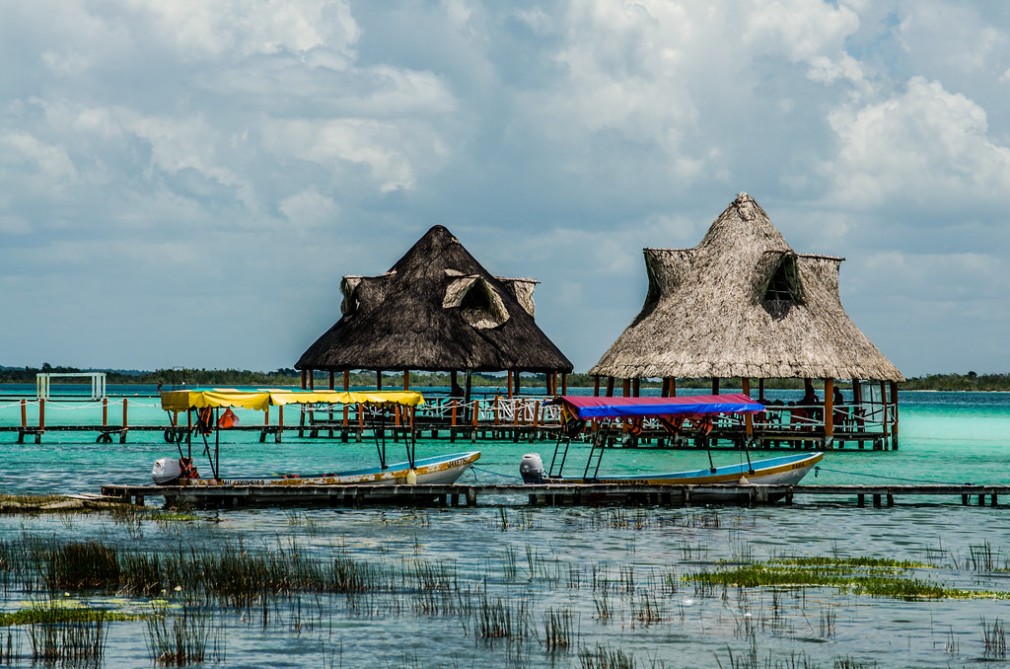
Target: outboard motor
[(166, 470), (532, 469)]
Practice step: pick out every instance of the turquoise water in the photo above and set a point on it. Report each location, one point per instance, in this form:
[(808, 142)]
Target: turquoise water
[(547, 559)]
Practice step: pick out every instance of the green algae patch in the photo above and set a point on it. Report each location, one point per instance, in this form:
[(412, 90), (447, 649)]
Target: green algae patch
[(860, 576)]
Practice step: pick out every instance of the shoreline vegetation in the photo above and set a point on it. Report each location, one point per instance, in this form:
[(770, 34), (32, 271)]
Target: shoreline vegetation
[(286, 377)]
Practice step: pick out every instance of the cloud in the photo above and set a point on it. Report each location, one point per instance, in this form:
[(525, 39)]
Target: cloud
[(924, 148)]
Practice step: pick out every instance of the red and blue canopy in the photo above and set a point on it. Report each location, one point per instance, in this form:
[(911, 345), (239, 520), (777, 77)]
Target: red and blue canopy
[(588, 407)]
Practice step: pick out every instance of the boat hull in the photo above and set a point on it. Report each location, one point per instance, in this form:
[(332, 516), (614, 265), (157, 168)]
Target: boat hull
[(444, 470), (723, 484)]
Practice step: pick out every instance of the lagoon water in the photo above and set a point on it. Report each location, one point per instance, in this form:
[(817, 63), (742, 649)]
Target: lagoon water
[(617, 573)]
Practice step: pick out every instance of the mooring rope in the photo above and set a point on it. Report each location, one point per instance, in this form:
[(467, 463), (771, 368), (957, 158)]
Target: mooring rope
[(818, 469), (488, 471)]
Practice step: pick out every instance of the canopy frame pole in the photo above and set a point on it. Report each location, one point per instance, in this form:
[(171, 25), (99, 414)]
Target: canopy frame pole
[(380, 441), (412, 442)]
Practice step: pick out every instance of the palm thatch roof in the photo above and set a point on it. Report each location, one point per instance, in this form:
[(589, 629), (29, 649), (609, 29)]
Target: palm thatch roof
[(436, 309), (743, 304)]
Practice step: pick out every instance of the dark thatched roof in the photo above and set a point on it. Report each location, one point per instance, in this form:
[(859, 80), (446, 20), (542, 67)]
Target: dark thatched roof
[(743, 304), (436, 309)]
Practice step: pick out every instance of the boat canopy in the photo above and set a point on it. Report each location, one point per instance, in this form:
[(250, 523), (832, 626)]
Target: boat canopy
[(260, 400), (589, 407)]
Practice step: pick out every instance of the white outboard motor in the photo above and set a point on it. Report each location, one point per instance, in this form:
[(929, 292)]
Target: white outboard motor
[(532, 469), (166, 470)]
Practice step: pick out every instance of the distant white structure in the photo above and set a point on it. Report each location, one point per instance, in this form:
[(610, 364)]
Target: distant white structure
[(43, 388)]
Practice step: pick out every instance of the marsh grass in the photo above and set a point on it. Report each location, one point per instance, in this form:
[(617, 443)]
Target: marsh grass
[(190, 636), (61, 634), (862, 576), (994, 640), (558, 630), (604, 657)]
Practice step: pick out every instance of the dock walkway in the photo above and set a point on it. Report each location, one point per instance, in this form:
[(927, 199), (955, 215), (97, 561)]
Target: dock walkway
[(258, 493)]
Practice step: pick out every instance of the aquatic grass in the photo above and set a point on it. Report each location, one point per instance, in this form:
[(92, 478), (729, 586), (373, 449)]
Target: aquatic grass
[(558, 628), (499, 618), (182, 638), (994, 640), (58, 633), (875, 578), (604, 657)]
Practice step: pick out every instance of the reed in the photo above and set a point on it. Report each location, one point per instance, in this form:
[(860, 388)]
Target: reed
[(647, 609), (604, 657), (558, 627), (184, 638), (501, 619), (60, 634), (993, 640)]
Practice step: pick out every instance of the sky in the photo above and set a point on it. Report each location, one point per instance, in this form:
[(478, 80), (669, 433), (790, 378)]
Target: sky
[(184, 183)]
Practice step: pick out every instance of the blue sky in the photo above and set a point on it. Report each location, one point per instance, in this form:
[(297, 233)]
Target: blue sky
[(185, 182)]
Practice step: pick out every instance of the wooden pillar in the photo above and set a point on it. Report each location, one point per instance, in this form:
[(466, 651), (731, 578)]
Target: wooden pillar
[(564, 383), (518, 379), (673, 386), (610, 386), (331, 385), (626, 387), (884, 412), (378, 379), (715, 385), (636, 387), (347, 386), (829, 408), (894, 426), (510, 384), (748, 420), (406, 379), (312, 379), (304, 380), (105, 412), (596, 386), (761, 390)]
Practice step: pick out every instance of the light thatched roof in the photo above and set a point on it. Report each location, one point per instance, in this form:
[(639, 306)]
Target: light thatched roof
[(436, 309), (743, 303)]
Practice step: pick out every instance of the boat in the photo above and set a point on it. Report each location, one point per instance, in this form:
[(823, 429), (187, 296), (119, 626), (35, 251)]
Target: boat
[(207, 405), (627, 415)]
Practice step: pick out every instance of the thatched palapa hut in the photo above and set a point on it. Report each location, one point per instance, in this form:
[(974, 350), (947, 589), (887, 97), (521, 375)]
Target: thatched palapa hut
[(437, 309), (743, 304)]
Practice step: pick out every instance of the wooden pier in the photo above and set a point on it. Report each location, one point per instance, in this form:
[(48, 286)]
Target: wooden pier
[(257, 493)]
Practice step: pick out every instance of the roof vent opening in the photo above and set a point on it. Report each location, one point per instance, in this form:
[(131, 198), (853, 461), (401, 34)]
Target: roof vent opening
[(784, 289), (478, 302)]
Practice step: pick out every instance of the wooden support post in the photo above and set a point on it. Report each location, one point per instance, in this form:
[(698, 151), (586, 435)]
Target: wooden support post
[(596, 386), (894, 426), (518, 380), (509, 384), (626, 387), (829, 409), (126, 422), (673, 386), (347, 386), (42, 420), (564, 383), (636, 387), (280, 423), (406, 379), (610, 386), (715, 386), (761, 391), (105, 412), (331, 385), (884, 412), (312, 379), (378, 379), (748, 420), (304, 386)]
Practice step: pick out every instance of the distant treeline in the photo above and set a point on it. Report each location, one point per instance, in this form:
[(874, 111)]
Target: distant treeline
[(292, 377)]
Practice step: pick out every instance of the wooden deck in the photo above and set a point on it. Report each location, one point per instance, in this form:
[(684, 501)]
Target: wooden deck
[(257, 493)]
